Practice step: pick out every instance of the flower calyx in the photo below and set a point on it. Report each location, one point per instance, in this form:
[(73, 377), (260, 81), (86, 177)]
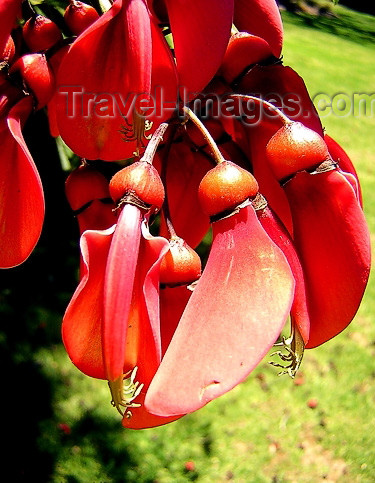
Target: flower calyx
[(138, 184), (294, 148), (224, 189)]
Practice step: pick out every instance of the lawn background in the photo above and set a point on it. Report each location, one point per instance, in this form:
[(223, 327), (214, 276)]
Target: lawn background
[(60, 424)]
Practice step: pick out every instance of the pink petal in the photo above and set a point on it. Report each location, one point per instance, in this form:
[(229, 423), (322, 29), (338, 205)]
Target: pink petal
[(21, 192), (233, 317), (82, 323)]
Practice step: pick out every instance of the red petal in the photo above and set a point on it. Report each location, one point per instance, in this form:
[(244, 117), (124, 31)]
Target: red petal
[(261, 18), (279, 235), (201, 31), (184, 171), (82, 323), (233, 317), (173, 301), (332, 239), (9, 9), (143, 336), (118, 288), (114, 58), (21, 192), (288, 89), (345, 163)]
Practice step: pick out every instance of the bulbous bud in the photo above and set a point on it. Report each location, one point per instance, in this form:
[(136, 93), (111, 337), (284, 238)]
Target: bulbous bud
[(40, 33), (9, 51), (85, 184), (295, 147), (225, 187), (140, 179), (181, 265), (78, 16), (36, 75)]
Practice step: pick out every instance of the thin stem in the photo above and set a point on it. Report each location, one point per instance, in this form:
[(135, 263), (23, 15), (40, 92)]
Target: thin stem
[(154, 142), (285, 119), (207, 136)]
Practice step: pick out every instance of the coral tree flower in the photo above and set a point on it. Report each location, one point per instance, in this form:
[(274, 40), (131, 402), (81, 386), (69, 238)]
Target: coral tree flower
[(228, 325), (111, 328)]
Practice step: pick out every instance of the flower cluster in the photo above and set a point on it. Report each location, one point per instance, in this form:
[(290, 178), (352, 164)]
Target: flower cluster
[(230, 211)]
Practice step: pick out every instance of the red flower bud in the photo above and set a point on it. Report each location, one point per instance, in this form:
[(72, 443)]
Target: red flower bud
[(9, 51), (295, 147), (36, 75), (84, 185), (224, 187), (78, 16), (140, 179), (40, 33)]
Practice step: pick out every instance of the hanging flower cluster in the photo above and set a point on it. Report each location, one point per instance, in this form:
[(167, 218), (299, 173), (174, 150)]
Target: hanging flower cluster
[(216, 149)]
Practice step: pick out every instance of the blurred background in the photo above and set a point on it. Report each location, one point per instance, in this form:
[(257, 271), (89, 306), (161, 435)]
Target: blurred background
[(59, 425)]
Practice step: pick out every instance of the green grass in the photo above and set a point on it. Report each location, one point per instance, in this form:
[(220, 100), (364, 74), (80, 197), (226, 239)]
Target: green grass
[(263, 430)]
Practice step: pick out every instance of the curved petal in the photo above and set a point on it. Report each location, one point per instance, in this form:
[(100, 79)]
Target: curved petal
[(21, 191), (332, 240), (233, 317), (261, 18), (279, 235), (118, 288), (345, 163), (201, 31), (82, 322)]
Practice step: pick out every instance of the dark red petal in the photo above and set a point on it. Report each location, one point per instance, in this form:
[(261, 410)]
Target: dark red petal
[(82, 323), (261, 18), (9, 9), (21, 192), (233, 317), (201, 30), (332, 239)]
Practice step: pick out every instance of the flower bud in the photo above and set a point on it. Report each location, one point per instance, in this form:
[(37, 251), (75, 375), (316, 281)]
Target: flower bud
[(78, 16), (224, 187), (85, 184), (40, 33), (36, 76)]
